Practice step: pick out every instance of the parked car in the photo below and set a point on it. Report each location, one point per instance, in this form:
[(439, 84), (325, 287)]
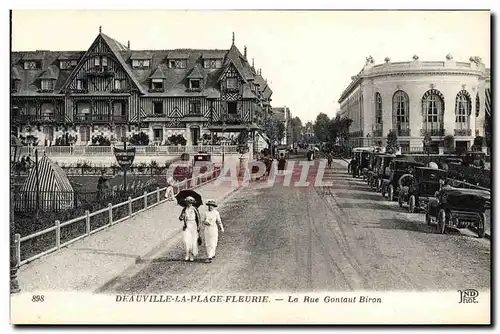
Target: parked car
[(398, 168), (381, 164), (459, 208), (422, 187)]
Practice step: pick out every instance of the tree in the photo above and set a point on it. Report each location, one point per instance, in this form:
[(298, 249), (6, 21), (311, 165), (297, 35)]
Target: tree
[(339, 128), (392, 142), (280, 131), (322, 127), (274, 129), (297, 129)]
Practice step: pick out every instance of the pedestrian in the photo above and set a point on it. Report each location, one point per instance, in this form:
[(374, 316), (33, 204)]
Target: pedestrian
[(190, 216), (354, 167), (102, 184), (169, 194), (329, 156), (212, 221)]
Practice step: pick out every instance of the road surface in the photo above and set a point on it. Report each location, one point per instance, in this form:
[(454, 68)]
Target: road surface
[(337, 238)]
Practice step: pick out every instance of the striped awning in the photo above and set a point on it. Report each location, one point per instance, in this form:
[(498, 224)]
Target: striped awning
[(488, 101), (51, 178)]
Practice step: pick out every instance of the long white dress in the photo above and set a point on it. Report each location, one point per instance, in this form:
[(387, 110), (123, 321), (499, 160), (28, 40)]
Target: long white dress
[(191, 233), (211, 231)]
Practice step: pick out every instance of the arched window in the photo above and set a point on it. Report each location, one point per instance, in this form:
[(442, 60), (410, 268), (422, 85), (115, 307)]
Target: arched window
[(84, 134), (433, 112), (478, 105), (401, 113), (462, 112), (378, 115)]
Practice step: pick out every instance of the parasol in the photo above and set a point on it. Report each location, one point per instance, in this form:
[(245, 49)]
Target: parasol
[(182, 195), (316, 149)]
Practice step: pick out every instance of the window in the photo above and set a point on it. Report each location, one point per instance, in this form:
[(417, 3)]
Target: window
[(104, 61), (83, 108), (48, 84), (232, 83), (478, 105), (232, 108), (31, 65), (140, 63), (47, 109), (401, 112), (212, 63), (194, 84), (195, 107), (120, 132), (157, 134), (120, 84), (68, 64), (158, 108), (157, 84), (433, 110), (81, 84), (73, 63), (177, 63), (119, 109), (84, 134), (97, 61), (462, 110), (378, 108)]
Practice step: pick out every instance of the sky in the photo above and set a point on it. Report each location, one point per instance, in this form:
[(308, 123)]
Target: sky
[(308, 57)]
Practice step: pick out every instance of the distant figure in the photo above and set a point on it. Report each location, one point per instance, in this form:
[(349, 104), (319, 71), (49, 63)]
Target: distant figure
[(354, 167), (212, 221), (329, 157), (102, 185), (169, 194), (281, 162)]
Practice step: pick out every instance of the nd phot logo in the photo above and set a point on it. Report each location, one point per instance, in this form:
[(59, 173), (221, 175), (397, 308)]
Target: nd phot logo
[(468, 296)]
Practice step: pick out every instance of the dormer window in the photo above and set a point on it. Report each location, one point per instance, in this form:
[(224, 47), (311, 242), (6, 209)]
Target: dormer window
[(67, 64), (177, 63), (157, 84), (212, 63), (194, 84), (48, 85), (232, 83), (120, 84), (140, 63), (31, 65)]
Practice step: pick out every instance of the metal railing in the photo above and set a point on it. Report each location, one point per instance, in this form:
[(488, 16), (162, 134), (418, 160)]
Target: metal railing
[(140, 150), (141, 203)]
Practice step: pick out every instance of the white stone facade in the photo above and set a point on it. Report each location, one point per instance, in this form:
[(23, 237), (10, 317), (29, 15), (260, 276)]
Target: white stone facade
[(414, 98)]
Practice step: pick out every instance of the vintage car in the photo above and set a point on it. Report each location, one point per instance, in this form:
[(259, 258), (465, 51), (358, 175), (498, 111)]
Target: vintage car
[(475, 158), (381, 164), (398, 170), (361, 154), (421, 187), (371, 172), (459, 208), (204, 160)]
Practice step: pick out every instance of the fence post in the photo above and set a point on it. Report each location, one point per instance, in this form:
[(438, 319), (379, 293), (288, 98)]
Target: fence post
[(17, 242), (110, 212), (129, 206), (145, 199), (58, 234), (157, 194), (87, 221)]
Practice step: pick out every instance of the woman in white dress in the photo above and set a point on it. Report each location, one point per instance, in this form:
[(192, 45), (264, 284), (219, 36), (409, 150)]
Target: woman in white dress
[(212, 221), (191, 218)]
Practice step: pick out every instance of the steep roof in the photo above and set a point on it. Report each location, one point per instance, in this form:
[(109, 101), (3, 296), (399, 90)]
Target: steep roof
[(176, 79)]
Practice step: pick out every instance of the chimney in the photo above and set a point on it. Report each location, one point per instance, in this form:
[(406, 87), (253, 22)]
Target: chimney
[(245, 52), (128, 45)]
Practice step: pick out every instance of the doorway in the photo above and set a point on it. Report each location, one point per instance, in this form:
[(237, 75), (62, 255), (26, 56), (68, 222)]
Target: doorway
[(195, 135)]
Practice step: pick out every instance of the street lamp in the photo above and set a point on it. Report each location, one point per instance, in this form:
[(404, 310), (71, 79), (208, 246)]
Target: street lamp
[(15, 153), (427, 143)]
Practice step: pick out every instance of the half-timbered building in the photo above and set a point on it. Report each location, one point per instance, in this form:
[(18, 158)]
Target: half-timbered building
[(114, 91)]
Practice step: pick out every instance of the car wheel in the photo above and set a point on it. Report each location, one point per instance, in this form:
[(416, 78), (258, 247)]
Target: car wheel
[(442, 221), (391, 193), (480, 226), (411, 204)]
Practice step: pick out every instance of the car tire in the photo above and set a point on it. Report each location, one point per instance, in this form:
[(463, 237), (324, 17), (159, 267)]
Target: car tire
[(411, 204), (480, 226), (391, 193), (442, 221)]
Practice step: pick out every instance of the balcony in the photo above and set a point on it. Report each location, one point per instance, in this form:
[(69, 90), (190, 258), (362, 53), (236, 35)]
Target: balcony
[(463, 132), (86, 118), (38, 118), (100, 72), (432, 132), (377, 133)]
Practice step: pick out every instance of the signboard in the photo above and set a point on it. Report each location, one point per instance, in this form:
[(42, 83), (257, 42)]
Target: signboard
[(125, 157)]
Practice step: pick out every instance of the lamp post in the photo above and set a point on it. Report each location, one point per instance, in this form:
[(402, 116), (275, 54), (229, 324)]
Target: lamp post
[(15, 153), (427, 142)]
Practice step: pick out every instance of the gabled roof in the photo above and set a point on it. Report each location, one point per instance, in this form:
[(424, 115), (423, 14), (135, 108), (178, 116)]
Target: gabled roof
[(158, 74), (197, 72), (178, 55), (52, 72)]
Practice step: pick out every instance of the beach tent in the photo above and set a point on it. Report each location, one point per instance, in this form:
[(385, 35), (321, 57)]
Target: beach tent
[(55, 190)]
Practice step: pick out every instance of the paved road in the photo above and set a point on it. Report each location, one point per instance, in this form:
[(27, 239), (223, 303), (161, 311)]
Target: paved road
[(343, 237)]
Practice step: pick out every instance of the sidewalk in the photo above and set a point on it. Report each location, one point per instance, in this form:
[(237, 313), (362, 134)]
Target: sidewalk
[(89, 263)]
